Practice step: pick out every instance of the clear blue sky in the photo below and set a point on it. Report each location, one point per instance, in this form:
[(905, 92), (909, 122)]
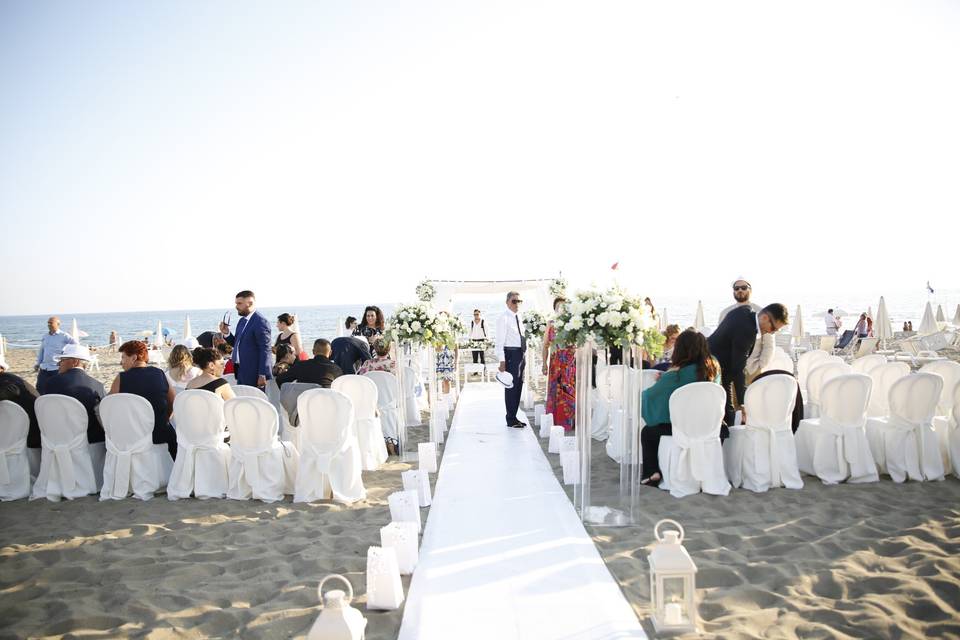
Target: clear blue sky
[(166, 154)]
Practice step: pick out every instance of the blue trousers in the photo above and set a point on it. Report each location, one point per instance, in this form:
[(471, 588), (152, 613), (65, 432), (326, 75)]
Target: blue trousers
[(42, 377), (516, 364)]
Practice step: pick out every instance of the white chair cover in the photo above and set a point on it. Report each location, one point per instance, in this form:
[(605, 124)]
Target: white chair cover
[(410, 386), (14, 464), (904, 444), (388, 402), (953, 434), (762, 454), (133, 463), (781, 362), (246, 391), (834, 446), (950, 372), (287, 432), (866, 364), (261, 466), (805, 364), (694, 459), (826, 370), (883, 378), (362, 392), (203, 458), (330, 454), (66, 464), (289, 399)]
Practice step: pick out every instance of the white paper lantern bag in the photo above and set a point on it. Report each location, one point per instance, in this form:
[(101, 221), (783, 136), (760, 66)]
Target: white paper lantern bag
[(570, 461), (384, 588), (402, 537), (405, 507), (538, 412), (556, 437), (419, 481), (546, 422), (427, 456), (568, 443), (438, 425)]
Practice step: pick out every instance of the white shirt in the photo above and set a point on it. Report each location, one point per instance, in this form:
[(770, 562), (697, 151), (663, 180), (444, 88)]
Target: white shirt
[(763, 351), (508, 333), (832, 325), (478, 330), (723, 314)]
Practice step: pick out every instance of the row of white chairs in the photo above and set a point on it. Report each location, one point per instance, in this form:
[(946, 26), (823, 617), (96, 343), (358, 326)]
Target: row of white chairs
[(255, 463)]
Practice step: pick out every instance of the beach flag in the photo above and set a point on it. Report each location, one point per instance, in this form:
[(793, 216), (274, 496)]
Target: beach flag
[(929, 288), (614, 266)]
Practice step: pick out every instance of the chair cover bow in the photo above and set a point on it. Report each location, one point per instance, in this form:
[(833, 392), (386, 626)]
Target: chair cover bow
[(62, 459), (848, 444), (121, 478), (911, 450)]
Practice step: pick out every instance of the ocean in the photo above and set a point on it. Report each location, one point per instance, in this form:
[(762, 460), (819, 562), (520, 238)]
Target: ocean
[(321, 321)]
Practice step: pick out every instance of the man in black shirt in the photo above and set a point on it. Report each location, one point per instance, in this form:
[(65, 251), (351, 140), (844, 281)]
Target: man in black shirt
[(73, 381), (320, 370)]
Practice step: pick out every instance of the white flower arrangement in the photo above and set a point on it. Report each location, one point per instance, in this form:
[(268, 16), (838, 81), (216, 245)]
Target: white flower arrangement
[(609, 318), (426, 291), (534, 324), (420, 324), (558, 288)]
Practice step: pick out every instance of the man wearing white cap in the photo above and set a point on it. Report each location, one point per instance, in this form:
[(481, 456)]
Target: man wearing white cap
[(73, 381), (741, 293), (510, 348)]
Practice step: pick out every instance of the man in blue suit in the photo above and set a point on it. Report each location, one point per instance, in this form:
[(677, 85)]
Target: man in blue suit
[(251, 343)]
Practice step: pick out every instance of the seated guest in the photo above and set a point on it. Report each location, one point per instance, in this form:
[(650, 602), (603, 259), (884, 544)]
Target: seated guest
[(381, 361), (149, 383), (285, 358), (211, 373), (180, 369), (21, 393), (691, 362), (320, 370), (289, 334), (73, 381), (349, 352), (225, 350), (209, 339), (671, 333), (351, 325)]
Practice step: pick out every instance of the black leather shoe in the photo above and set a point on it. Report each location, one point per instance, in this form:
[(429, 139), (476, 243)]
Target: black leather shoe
[(518, 425)]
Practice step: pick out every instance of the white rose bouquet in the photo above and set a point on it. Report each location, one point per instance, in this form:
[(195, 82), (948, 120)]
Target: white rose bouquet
[(610, 318), (412, 323), (558, 288), (426, 291), (534, 324)]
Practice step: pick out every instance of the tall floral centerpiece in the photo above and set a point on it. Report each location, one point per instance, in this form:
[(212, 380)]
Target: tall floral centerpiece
[(609, 318), (426, 292), (558, 288), (413, 323), (534, 324)]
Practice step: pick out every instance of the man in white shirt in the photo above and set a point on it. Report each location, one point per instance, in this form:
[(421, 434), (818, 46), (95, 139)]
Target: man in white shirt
[(510, 348), (833, 323), (741, 293)]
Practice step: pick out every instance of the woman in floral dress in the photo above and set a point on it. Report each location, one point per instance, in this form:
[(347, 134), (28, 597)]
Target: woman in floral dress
[(561, 376)]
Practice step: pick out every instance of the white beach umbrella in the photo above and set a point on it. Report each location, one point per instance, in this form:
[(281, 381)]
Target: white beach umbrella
[(796, 329), (664, 319), (869, 312), (940, 316), (928, 325), (76, 333), (158, 336), (956, 317), (187, 332), (3, 350), (698, 322), (881, 325), (340, 322)]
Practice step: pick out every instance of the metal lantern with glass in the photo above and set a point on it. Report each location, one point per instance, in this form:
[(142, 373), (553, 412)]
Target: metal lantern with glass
[(672, 581)]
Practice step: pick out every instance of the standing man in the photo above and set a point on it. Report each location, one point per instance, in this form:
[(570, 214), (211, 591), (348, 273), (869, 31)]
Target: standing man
[(832, 322), (51, 345), (741, 293), (73, 381), (478, 336), (349, 352), (743, 339), (251, 344), (510, 348)]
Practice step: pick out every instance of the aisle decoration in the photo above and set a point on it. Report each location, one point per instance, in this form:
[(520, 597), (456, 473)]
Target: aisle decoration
[(426, 291), (558, 288), (412, 323), (609, 318), (534, 324)]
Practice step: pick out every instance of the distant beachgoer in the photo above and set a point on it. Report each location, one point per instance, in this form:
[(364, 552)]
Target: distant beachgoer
[(742, 289), (73, 381), (869, 327), (51, 345), (149, 383), (289, 334), (905, 327), (861, 328), (319, 370), (211, 374), (180, 369), (285, 358), (832, 322), (910, 325), (381, 360), (23, 394), (372, 324), (114, 340), (251, 343), (560, 368)]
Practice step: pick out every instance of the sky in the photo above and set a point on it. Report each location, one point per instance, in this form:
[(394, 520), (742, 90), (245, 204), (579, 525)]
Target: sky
[(166, 155)]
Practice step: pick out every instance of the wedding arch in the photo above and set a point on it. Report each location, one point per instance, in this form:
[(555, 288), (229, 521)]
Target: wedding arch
[(536, 291)]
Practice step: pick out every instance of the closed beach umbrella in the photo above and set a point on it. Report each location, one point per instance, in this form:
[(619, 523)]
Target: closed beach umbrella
[(797, 329), (881, 325), (956, 316), (187, 332), (3, 350), (940, 316), (158, 336), (76, 333), (928, 325), (340, 322), (664, 319), (698, 322)]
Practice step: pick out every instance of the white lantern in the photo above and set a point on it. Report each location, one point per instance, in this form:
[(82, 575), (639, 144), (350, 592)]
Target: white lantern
[(384, 588), (419, 481), (672, 582), (570, 462), (538, 412), (337, 620), (427, 455), (402, 537), (556, 437), (405, 507), (546, 422)]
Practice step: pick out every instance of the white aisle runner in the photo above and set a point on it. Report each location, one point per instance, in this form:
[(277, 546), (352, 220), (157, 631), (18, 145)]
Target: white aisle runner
[(504, 555)]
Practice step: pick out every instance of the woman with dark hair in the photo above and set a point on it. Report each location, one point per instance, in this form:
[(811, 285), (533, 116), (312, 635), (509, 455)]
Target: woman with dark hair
[(670, 333), (285, 358), (289, 335), (371, 327), (561, 370), (691, 362), (211, 377), (149, 383)]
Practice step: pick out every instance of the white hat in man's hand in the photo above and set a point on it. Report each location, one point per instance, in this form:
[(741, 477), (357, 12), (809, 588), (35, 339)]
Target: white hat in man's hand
[(505, 378), (77, 351)]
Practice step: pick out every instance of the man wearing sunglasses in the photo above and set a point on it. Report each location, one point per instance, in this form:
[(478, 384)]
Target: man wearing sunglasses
[(741, 293), (511, 346)]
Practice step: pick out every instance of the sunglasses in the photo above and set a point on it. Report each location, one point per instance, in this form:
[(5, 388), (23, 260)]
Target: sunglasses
[(516, 301), (741, 288)]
